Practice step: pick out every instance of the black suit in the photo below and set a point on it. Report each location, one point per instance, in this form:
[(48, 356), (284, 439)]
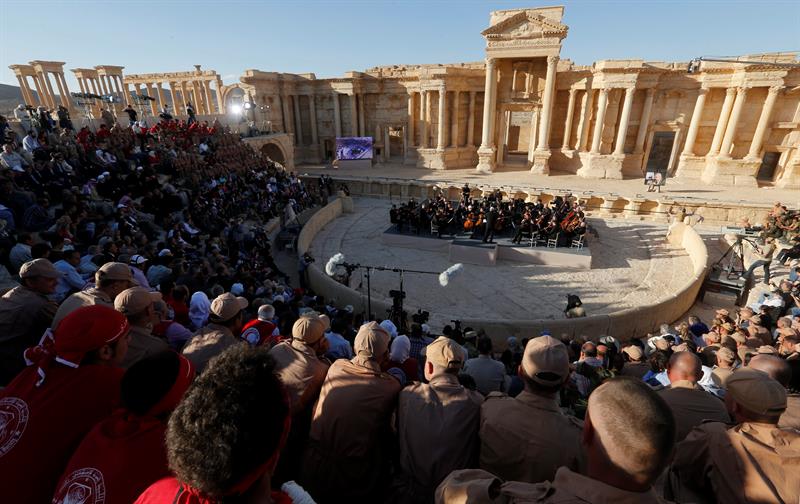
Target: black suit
[(488, 232)]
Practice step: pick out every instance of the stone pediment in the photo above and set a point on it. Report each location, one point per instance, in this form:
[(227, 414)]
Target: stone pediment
[(525, 25)]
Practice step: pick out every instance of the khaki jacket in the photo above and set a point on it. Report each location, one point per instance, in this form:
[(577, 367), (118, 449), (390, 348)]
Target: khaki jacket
[(89, 297), (301, 372), (750, 462), (24, 316), (692, 406), (528, 437), (349, 444), (207, 343), (471, 486), (791, 417), (437, 427), (142, 344)]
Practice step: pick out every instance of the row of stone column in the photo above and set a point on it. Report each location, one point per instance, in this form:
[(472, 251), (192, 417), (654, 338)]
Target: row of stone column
[(728, 122), (102, 85), (44, 89), (182, 93), (448, 133)]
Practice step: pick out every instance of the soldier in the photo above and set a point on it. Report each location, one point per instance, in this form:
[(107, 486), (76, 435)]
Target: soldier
[(437, 424), (753, 461), (528, 437), (628, 438), (111, 279)]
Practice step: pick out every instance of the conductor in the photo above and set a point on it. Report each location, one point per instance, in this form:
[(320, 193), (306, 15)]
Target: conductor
[(491, 219)]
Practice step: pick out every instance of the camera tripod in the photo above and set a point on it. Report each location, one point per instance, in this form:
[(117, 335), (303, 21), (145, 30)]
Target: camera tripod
[(734, 266)]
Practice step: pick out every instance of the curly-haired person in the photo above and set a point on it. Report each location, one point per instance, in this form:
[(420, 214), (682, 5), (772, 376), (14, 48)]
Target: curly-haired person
[(224, 439)]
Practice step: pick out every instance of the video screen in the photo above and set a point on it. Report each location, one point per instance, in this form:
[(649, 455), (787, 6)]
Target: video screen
[(354, 148)]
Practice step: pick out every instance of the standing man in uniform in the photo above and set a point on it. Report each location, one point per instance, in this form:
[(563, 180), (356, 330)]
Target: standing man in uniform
[(689, 402), (437, 424), (628, 439), (527, 438), (136, 304), (753, 461), (25, 313)]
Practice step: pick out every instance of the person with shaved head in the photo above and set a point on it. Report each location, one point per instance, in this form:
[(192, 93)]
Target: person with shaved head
[(690, 404), (753, 461), (628, 438), (779, 370)]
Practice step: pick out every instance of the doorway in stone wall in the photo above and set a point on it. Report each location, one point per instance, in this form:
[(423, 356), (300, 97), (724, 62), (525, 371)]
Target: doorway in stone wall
[(396, 152), (328, 146), (660, 152), (766, 172), (518, 137)]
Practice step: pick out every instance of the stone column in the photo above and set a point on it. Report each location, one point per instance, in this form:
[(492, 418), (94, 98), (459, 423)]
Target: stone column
[(644, 121), (287, 114), (62, 89), (160, 91), (353, 115), (568, 123), (619, 148), (602, 103), (197, 101), (487, 139), (454, 119), (93, 83), (730, 131), (410, 121), (423, 119), (81, 85), (547, 104), (153, 106), (442, 133), (312, 112), (51, 101), (694, 125), (532, 139), (763, 122), (585, 120), (337, 115), (298, 124), (471, 120), (184, 101), (209, 100), (26, 92), (386, 142), (362, 123), (220, 100), (175, 109), (719, 132)]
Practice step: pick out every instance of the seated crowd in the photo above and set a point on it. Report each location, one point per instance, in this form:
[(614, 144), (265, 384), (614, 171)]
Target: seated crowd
[(153, 352)]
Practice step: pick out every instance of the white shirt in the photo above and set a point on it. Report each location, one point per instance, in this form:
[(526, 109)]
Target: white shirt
[(30, 143)]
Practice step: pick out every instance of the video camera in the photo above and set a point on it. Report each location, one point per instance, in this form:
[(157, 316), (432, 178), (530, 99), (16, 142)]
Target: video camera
[(421, 317)]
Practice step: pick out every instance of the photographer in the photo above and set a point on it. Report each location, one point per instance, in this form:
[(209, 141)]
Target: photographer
[(763, 258), (302, 269)]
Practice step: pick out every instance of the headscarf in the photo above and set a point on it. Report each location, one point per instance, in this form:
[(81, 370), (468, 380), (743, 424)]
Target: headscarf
[(513, 344), (390, 328), (199, 308), (372, 342), (401, 349), (82, 331)]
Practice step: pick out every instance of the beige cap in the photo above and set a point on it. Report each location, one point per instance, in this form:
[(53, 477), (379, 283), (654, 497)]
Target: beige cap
[(445, 352), (765, 349), (662, 344), (114, 271), (326, 320), (135, 300), (39, 268), (739, 338), (723, 312), (756, 392), (226, 306), (309, 329), (634, 352), (546, 354)]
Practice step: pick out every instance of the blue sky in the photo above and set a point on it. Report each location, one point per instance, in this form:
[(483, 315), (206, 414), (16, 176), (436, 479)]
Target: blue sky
[(332, 37)]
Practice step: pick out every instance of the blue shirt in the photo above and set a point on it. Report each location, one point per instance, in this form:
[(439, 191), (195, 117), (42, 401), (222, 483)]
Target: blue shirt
[(339, 348), (72, 281)]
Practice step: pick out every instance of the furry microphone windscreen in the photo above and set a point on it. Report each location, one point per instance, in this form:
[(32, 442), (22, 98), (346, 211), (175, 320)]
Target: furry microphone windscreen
[(448, 274), (333, 262)]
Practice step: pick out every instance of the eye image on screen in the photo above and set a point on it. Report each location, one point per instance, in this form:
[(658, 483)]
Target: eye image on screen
[(354, 148)]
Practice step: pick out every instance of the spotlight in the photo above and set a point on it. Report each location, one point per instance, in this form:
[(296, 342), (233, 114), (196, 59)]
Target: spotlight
[(236, 109), (249, 105)]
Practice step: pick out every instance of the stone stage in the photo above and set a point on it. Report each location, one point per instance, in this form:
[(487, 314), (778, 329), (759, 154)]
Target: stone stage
[(631, 265), (461, 248)]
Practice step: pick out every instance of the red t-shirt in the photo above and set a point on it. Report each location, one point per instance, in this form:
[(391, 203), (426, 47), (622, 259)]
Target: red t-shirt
[(170, 491), (40, 427), (116, 461), (260, 333)]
